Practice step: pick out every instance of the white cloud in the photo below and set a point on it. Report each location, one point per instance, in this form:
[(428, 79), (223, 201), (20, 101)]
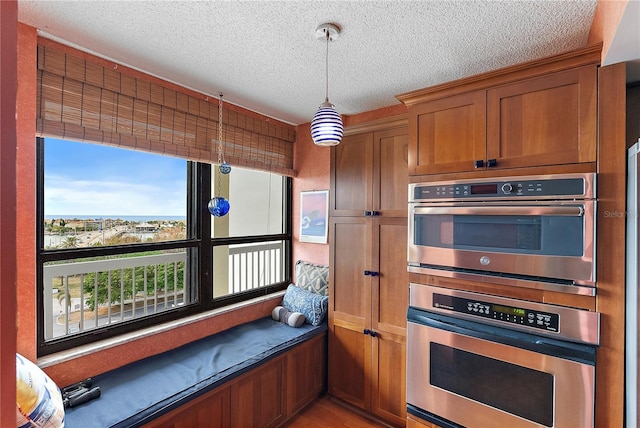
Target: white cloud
[(64, 195)]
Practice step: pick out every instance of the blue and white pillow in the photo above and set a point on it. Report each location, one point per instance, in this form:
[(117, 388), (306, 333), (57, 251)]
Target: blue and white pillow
[(312, 306)]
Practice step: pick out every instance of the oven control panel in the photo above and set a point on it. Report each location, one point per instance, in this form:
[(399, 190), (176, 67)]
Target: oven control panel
[(543, 187), (508, 314)]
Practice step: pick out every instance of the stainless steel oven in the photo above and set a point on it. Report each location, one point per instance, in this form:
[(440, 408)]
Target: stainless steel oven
[(533, 231), (476, 360)]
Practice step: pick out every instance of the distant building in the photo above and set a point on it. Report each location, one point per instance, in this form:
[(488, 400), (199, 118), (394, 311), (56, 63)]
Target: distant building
[(145, 227)]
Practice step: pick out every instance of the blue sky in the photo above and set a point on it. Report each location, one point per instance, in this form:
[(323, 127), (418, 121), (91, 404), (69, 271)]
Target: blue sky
[(89, 179)]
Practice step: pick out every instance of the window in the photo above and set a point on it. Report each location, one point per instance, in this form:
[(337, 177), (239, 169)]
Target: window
[(126, 241)]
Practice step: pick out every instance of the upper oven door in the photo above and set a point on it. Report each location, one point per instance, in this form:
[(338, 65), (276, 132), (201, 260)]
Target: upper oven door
[(550, 240)]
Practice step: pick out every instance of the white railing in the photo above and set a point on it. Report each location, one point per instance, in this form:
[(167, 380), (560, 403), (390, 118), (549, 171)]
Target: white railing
[(255, 265), (250, 266)]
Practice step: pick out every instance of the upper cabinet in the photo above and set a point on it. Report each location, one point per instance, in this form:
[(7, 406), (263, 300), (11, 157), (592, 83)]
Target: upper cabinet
[(369, 177), (535, 114)]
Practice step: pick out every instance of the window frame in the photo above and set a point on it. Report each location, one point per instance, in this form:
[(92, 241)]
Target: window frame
[(199, 245)]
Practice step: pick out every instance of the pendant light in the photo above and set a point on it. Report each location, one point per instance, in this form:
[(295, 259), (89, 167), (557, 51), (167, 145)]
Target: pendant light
[(219, 206), (326, 126)]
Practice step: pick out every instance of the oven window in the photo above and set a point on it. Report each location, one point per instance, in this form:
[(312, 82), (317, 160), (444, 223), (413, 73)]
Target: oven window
[(514, 389), (535, 235)]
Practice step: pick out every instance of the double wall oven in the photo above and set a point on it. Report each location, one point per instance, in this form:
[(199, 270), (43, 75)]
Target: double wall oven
[(526, 231), (480, 360)]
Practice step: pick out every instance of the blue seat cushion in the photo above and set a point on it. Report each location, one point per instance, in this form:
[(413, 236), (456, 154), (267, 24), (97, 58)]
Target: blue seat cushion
[(141, 391)]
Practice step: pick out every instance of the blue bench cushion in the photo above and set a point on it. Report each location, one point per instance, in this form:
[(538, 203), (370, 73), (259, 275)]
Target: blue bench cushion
[(139, 392)]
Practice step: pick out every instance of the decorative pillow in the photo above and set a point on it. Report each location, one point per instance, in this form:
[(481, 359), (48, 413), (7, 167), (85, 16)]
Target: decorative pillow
[(312, 277), (313, 306), (285, 316), (38, 399)]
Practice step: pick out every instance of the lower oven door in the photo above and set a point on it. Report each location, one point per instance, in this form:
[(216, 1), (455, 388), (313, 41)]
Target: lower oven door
[(476, 375)]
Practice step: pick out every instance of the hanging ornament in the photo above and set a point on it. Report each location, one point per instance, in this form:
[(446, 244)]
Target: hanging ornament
[(218, 205)]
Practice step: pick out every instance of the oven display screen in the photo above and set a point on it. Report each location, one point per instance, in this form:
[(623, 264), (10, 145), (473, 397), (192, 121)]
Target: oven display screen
[(509, 310), (484, 189)]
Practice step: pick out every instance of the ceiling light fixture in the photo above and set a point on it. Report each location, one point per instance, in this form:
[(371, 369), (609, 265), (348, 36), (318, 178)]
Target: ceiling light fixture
[(326, 126)]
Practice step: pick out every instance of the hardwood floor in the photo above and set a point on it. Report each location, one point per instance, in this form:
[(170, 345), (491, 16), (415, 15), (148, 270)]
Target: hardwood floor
[(325, 412)]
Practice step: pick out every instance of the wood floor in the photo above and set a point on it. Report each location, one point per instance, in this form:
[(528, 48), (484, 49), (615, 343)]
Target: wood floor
[(325, 412)]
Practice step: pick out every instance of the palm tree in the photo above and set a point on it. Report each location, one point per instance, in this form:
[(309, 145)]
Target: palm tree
[(70, 242)]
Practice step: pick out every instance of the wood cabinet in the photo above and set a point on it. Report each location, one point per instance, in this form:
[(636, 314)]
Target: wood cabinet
[(520, 117), (264, 397), (369, 280), (258, 399), (369, 174)]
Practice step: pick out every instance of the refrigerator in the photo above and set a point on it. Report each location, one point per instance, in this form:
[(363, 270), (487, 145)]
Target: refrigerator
[(632, 284)]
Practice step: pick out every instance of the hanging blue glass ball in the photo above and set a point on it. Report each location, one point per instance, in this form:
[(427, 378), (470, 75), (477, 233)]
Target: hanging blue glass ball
[(219, 206), (225, 168)]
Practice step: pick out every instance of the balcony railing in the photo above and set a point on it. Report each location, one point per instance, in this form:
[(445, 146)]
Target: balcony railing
[(80, 296)]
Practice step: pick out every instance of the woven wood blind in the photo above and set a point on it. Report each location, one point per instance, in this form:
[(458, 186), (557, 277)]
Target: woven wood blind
[(81, 100)]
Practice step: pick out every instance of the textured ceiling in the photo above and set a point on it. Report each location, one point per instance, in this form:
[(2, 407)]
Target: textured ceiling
[(263, 55)]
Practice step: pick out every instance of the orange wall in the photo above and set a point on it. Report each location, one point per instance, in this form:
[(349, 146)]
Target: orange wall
[(605, 23), (8, 256), (26, 191), (311, 163)]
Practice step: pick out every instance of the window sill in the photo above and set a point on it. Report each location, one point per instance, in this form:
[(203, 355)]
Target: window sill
[(81, 351)]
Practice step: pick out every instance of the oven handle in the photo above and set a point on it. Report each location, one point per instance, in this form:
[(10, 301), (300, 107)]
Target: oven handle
[(578, 352), (527, 210)]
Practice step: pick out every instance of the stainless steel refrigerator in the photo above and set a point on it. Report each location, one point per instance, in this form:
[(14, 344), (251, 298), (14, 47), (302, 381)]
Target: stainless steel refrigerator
[(632, 280)]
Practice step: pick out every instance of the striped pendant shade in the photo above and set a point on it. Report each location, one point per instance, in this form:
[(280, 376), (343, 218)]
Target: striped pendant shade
[(326, 126)]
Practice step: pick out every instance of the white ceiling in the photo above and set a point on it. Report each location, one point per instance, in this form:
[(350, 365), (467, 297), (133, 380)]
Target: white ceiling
[(263, 55)]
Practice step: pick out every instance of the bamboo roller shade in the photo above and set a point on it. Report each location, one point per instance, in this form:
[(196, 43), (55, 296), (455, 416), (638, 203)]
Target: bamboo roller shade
[(81, 100)]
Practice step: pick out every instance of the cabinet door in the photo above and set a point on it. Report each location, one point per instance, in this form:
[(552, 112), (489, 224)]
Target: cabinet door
[(350, 310), (447, 135), (390, 299), (549, 120), (209, 410), (390, 295), (258, 399), (388, 379), (350, 257), (352, 176), (349, 363), (306, 372), (391, 174)]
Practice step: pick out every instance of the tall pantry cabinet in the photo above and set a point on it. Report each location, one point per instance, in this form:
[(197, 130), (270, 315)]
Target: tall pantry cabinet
[(368, 267)]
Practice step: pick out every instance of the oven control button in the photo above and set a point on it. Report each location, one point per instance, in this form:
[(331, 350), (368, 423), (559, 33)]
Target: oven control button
[(484, 260), (507, 188)]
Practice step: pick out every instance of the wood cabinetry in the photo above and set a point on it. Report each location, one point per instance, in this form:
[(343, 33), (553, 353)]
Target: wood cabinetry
[(369, 280), (535, 115), (264, 397), (369, 174)]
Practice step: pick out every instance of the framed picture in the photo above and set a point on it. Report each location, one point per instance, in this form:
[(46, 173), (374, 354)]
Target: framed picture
[(314, 209)]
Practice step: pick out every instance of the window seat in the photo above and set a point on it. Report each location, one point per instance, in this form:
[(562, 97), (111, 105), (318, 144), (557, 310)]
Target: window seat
[(139, 392)]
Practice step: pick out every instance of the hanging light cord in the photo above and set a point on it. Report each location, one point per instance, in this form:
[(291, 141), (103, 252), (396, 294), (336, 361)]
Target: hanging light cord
[(220, 153), (326, 61)]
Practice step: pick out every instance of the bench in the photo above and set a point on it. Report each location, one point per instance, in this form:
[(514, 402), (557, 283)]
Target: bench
[(164, 385)]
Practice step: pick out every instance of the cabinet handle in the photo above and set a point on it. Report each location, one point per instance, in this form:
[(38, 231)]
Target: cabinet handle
[(367, 272), (492, 163), (479, 164), (367, 213), (375, 213), (373, 334), (374, 273), (367, 331)]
